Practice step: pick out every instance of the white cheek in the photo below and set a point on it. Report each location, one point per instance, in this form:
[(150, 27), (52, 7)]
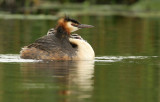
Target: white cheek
[(72, 28)]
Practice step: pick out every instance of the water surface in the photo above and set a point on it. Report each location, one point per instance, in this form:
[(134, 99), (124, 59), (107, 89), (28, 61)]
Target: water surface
[(126, 67)]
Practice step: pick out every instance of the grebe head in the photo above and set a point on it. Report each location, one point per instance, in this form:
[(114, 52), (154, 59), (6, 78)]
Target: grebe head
[(71, 25)]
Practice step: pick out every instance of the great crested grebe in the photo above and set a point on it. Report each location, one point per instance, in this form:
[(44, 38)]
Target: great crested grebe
[(59, 44)]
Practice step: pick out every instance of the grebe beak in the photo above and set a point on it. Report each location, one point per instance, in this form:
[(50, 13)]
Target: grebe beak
[(84, 26)]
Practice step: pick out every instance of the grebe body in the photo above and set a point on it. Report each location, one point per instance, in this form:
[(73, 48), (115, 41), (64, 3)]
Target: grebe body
[(59, 44)]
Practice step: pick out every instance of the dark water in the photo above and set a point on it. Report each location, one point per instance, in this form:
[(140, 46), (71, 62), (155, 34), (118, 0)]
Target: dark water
[(126, 68)]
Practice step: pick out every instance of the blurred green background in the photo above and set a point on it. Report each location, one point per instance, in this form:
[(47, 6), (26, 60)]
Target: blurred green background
[(122, 28), (94, 7)]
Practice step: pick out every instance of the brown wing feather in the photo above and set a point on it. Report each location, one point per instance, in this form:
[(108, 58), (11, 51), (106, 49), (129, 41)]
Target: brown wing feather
[(43, 43), (46, 42), (49, 47)]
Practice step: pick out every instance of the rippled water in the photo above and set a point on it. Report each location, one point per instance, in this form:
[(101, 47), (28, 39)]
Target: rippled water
[(16, 58), (126, 67)]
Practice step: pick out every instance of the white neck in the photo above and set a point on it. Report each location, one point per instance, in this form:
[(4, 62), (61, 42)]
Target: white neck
[(85, 51)]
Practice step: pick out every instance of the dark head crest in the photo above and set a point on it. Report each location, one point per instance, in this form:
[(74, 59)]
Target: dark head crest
[(66, 18)]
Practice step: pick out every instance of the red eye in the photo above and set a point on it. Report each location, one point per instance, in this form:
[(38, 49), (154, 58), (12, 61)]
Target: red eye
[(73, 24)]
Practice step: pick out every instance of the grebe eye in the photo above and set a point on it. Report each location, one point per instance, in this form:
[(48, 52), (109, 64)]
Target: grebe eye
[(73, 24)]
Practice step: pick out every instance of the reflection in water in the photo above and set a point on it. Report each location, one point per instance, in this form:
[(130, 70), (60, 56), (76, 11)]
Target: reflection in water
[(130, 79), (68, 78)]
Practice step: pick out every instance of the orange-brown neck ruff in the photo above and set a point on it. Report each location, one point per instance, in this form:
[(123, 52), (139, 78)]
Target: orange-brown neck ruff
[(63, 24)]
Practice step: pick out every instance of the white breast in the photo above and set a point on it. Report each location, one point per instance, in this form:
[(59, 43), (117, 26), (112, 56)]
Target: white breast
[(85, 51)]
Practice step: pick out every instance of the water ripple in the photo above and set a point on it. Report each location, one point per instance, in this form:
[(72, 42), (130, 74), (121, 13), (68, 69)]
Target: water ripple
[(16, 58), (119, 58)]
